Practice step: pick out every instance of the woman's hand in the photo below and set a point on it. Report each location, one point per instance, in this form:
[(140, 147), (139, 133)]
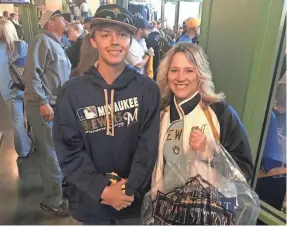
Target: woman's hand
[(197, 140)]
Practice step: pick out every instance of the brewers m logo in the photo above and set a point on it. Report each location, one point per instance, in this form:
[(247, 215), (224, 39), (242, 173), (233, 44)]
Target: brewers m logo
[(131, 118)]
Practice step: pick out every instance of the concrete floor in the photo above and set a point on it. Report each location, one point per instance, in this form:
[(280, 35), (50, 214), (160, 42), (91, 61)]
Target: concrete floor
[(19, 200)]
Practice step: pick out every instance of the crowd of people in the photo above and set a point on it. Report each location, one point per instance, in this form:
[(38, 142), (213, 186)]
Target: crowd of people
[(15, 19), (96, 117)]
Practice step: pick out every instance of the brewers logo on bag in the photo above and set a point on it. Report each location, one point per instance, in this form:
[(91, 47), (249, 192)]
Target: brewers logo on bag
[(195, 203)]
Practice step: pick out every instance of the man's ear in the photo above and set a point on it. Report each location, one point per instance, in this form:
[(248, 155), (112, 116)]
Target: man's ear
[(93, 43)]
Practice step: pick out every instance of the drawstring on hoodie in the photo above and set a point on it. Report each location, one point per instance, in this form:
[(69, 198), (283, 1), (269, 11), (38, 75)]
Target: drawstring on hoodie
[(108, 119)]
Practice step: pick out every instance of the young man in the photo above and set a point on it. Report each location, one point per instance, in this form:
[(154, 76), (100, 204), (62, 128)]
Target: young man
[(47, 68), (139, 54), (6, 15), (14, 19), (192, 31), (107, 124), (159, 42)]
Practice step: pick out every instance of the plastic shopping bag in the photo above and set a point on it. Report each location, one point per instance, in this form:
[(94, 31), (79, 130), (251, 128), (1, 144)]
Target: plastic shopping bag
[(202, 188)]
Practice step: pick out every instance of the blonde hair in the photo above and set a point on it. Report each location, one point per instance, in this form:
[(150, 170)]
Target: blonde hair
[(77, 26), (8, 34), (196, 56)]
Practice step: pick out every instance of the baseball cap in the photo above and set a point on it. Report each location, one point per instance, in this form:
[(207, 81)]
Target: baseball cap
[(114, 14), (192, 23), (143, 23), (49, 14)]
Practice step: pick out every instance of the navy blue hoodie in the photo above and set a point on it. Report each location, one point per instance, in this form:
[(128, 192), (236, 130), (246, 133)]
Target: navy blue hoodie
[(90, 143)]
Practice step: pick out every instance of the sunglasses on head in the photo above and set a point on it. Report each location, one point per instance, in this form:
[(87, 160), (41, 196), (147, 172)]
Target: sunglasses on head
[(118, 16)]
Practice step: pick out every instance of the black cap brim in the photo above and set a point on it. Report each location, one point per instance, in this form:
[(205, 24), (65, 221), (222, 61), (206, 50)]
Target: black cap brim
[(129, 27)]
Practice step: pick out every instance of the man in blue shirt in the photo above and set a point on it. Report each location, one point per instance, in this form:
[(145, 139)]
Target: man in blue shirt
[(193, 29)]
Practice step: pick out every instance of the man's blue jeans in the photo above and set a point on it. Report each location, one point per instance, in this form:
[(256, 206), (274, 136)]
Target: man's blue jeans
[(47, 161)]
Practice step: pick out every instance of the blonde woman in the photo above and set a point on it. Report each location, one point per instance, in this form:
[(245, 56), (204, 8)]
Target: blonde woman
[(193, 115), (13, 51)]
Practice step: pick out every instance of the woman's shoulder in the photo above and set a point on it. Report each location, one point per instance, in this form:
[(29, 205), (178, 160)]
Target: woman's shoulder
[(224, 111), (219, 107)]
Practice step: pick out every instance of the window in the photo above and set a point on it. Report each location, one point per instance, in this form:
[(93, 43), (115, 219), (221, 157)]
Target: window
[(270, 179)]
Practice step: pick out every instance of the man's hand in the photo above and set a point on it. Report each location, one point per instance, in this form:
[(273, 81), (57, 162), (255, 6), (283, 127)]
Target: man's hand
[(115, 197), (47, 112)]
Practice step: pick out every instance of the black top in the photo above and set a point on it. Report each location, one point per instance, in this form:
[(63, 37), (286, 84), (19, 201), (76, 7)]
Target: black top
[(73, 52)]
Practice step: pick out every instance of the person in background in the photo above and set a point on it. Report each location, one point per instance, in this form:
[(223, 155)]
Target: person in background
[(153, 41), (160, 44), (71, 6), (180, 32), (106, 128), (84, 8), (280, 106), (183, 31), (87, 24), (191, 104), (138, 55), (192, 31), (88, 56), (76, 34), (65, 41), (14, 18), (12, 47), (19, 29), (6, 15), (170, 35), (156, 26), (274, 156), (47, 68), (78, 19), (20, 20)]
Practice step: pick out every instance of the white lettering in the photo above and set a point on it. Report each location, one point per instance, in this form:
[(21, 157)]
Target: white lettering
[(101, 111), (116, 107), (126, 104), (121, 106), (131, 103), (136, 102)]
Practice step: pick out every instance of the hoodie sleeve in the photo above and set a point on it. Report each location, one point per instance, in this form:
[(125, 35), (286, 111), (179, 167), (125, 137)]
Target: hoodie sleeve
[(233, 138), (33, 71), (146, 154), (74, 159)]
